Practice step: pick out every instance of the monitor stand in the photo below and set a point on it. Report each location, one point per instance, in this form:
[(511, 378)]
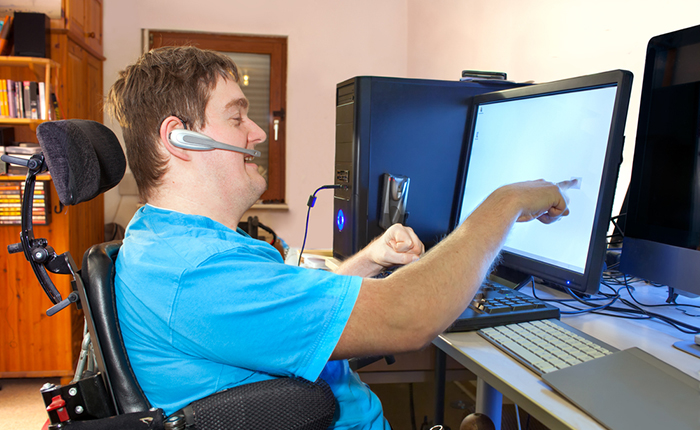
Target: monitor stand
[(511, 278), (691, 348)]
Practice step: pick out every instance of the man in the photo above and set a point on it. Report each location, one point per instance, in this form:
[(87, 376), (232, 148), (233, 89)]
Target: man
[(202, 307)]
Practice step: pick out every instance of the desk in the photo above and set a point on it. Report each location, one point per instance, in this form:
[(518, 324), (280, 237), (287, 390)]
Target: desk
[(497, 371)]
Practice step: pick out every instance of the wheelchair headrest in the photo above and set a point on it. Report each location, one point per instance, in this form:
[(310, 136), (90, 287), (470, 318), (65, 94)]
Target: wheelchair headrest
[(84, 158)]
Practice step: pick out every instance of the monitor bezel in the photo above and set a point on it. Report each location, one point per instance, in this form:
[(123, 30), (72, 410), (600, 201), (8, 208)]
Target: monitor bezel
[(643, 256), (589, 281)]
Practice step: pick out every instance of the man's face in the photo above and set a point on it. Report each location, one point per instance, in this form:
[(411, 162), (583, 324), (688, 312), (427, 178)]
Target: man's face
[(227, 121)]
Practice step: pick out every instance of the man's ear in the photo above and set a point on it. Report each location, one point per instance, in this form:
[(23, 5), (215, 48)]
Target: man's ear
[(168, 125)]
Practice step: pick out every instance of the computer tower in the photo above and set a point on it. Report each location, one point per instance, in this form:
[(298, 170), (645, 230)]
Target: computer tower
[(409, 127)]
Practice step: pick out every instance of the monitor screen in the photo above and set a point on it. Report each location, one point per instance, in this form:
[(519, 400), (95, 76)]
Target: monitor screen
[(662, 230), (555, 131)]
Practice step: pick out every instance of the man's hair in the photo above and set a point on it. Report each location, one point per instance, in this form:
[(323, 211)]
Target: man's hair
[(166, 81)]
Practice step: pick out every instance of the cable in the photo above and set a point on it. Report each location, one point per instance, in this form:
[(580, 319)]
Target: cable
[(269, 230), (634, 308), (310, 204)]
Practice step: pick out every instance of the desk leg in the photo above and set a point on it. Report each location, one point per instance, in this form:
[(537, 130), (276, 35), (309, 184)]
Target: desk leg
[(489, 401), (440, 367)]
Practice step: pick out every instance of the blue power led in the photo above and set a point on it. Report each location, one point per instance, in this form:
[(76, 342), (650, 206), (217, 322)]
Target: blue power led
[(340, 220)]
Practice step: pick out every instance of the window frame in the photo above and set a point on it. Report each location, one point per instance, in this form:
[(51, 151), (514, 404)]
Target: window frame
[(276, 48)]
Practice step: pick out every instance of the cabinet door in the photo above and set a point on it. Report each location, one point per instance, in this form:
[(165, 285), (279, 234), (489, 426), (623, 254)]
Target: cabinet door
[(76, 82), (76, 20), (93, 29), (94, 93)]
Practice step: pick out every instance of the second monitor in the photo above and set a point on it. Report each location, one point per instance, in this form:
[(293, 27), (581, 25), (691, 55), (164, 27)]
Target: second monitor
[(556, 131)]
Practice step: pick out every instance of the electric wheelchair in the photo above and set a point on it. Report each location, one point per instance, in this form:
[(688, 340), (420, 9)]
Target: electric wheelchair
[(85, 159)]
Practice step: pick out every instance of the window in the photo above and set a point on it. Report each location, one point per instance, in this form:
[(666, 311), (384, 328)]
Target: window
[(262, 64)]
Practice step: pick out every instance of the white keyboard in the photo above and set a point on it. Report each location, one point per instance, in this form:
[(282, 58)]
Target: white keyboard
[(546, 345)]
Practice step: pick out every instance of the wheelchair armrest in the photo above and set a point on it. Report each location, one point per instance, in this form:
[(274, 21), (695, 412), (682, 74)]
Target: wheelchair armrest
[(283, 403)]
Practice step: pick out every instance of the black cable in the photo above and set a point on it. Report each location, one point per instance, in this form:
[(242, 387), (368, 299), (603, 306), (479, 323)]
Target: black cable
[(269, 230), (657, 305), (633, 312), (310, 204)]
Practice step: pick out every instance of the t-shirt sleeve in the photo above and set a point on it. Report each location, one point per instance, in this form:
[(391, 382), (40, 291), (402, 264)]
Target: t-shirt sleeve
[(252, 312)]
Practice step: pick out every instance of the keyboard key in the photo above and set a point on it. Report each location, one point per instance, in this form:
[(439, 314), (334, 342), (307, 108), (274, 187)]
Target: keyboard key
[(522, 306), (559, 364), (545, 367), (524, 353), (497, 309)]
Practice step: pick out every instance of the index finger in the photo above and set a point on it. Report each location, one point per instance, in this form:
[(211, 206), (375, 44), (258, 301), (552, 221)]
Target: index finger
[(565, 185)]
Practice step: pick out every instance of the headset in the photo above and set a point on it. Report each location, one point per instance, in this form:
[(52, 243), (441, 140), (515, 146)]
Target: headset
[(187, 139)]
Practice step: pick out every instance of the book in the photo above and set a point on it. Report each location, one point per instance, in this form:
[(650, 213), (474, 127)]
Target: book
[(19, 99), (6, 36), (33, 100), (23, 149), (42, 101), (11, 195), (27, 100), (55, 110), (12, 98), (4, 107)]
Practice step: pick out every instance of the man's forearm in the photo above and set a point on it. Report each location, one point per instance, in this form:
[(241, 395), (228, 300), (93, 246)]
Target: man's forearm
[(359, 264), (446, 279), (409, 308)]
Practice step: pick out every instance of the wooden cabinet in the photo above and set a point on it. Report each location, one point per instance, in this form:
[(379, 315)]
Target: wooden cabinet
[(32, 344)]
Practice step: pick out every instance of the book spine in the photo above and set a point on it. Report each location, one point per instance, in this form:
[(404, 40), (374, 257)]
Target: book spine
[(11, 98), (4, 110), (55, 111), (42, 101), (20, 99), (27, 99), (33, 100)]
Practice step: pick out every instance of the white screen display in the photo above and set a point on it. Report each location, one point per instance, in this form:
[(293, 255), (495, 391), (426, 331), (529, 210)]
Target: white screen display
[(553, 137)]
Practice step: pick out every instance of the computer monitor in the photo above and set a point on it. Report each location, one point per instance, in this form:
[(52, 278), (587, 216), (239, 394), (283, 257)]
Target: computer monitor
[(556, 131), (662, 230)]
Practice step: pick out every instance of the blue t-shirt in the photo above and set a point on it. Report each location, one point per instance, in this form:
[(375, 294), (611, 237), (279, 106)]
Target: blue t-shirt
[(203, 308)]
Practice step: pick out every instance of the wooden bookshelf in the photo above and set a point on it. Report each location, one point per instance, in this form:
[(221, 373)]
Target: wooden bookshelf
[(30, 69), (33, 345)]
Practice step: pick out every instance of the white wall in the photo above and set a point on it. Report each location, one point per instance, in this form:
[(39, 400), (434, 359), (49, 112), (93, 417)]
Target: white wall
[(543, 40), (329, 42)]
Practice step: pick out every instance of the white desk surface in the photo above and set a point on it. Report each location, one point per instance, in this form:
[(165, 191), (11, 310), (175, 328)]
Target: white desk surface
[(528, 390)]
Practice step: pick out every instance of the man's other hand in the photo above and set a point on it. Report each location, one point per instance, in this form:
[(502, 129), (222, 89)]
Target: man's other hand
[(398, 245)]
